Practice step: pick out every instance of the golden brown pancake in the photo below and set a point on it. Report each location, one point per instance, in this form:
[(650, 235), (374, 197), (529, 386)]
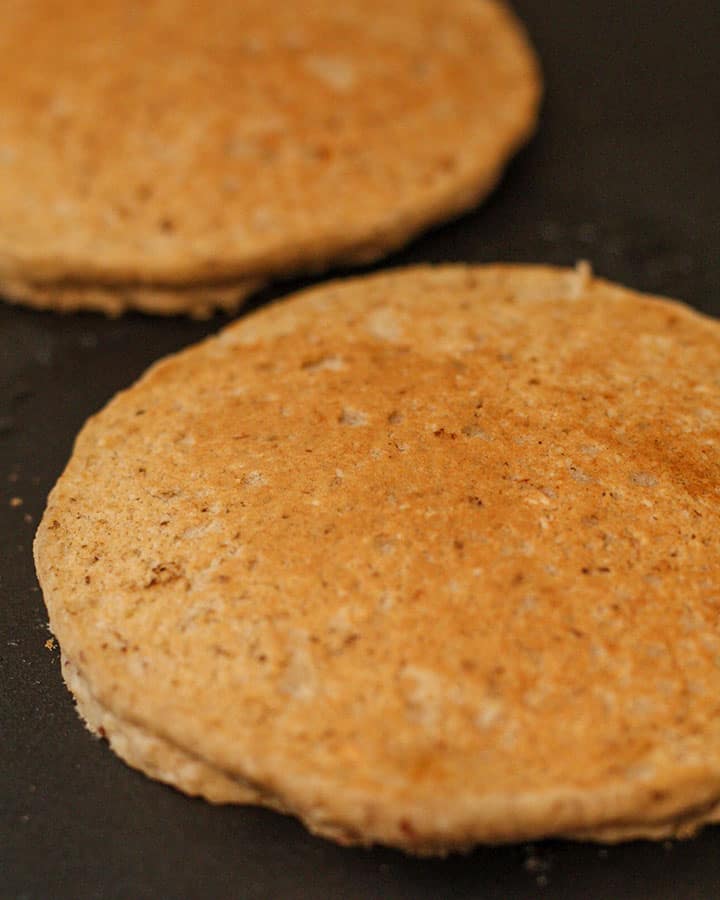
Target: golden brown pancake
[(426, 558), (170, 155)]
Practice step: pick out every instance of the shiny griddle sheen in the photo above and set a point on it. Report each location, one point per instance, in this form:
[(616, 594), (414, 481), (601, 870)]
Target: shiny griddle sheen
[(624, 173)]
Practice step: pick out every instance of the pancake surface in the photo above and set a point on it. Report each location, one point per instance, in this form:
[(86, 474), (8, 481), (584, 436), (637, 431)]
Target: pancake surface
[(152, 145), (426, 558)]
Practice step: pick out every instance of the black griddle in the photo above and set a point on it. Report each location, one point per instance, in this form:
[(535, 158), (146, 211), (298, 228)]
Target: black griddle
[(624, 173)]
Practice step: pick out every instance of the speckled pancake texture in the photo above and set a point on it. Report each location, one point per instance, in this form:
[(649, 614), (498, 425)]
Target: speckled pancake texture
[(169, 155), (426, 558)]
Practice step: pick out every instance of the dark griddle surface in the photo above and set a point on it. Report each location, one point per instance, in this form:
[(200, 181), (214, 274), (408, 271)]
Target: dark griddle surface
[(624, 173)]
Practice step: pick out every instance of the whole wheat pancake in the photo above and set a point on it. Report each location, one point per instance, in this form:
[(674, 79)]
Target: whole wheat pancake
[(152, 150), (426, 558)]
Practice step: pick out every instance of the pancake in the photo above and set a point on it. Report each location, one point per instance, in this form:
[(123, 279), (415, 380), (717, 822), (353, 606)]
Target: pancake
[(198, 300), (427, 558), (150, 151)]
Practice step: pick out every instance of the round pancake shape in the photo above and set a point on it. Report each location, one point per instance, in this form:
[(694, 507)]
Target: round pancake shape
[(427, 558), (173, 144)]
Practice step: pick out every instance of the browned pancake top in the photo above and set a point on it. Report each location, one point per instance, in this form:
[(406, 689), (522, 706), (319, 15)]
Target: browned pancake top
[(432, 555), (174, 141)]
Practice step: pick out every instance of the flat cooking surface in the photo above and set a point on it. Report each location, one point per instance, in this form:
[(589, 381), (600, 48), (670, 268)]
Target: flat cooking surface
[(624, 173)]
